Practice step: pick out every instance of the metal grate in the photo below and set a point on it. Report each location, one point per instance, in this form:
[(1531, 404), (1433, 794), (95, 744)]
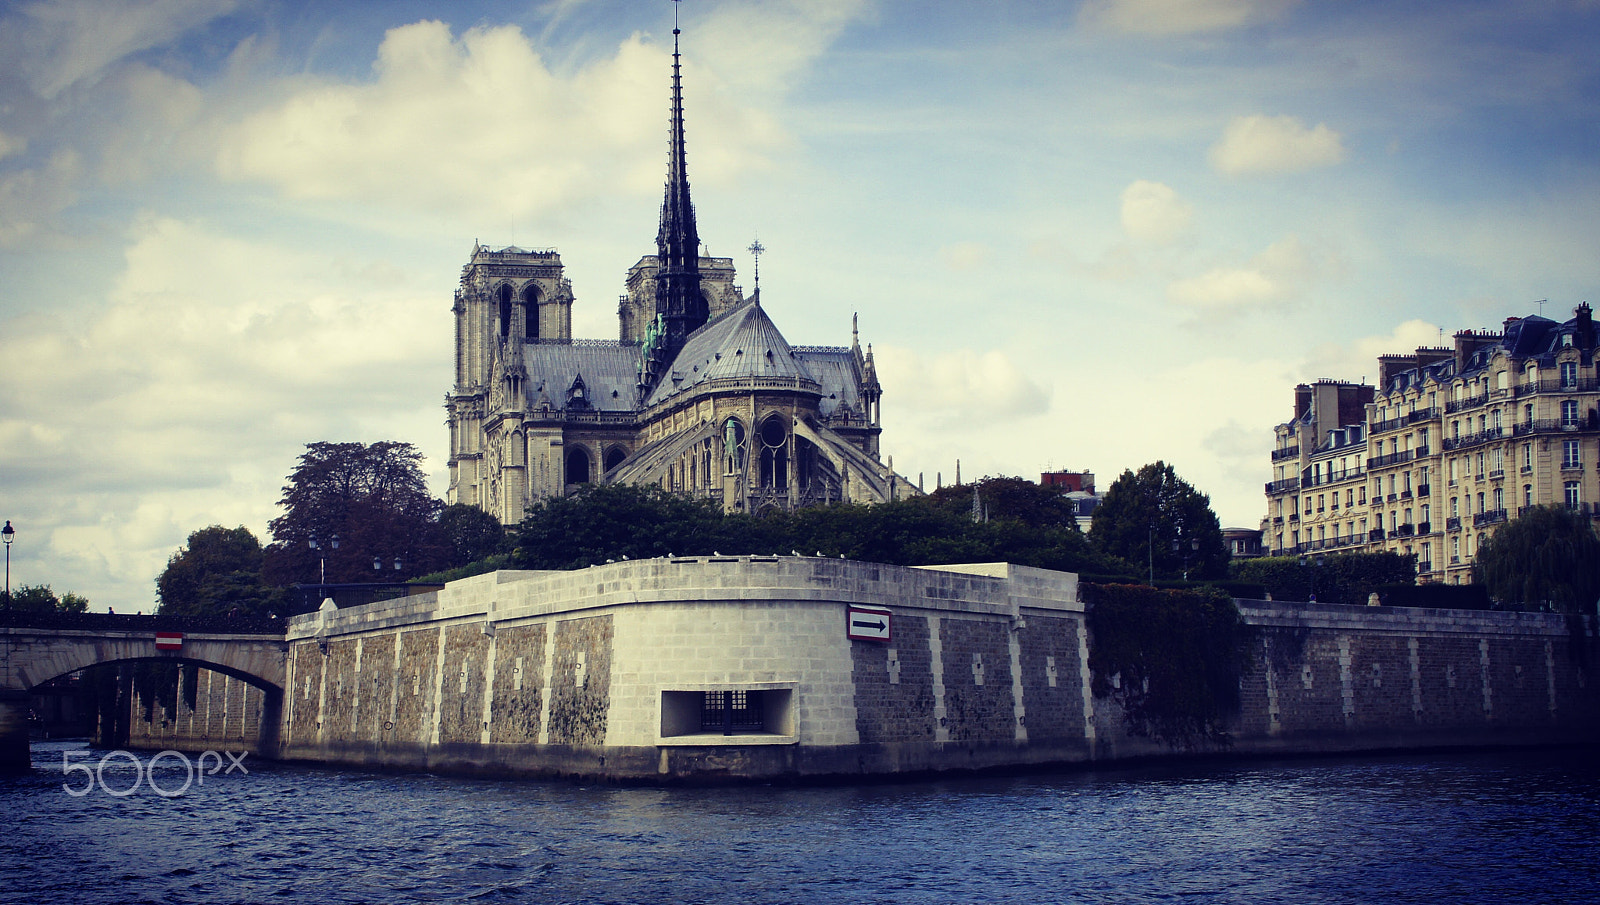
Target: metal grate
[(731, 712)]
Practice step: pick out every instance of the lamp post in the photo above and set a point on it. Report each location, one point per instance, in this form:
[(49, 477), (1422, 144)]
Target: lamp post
[(377, 564), (1193, 549), (322, 557), (10, 534)]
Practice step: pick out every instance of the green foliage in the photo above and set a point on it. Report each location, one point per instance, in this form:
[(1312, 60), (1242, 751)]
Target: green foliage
[(1157, 521), (608, 522), (478, 567), (1171, 659), (470, 533), (40, 599), (217, 574), (612, 521), (1548, 558), (1336, 578), (374, 498), (1011, 500)]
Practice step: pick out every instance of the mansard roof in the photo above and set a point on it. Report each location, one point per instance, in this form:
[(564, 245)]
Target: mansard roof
[(744, 345), (610, 372)]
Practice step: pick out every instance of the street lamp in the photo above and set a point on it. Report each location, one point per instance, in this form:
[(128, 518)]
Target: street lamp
[(10, 534), (377, 564), (322, 557), (1194, 549)]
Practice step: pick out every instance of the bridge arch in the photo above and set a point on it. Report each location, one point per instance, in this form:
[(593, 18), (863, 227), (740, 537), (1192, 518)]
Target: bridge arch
[(31, 655)]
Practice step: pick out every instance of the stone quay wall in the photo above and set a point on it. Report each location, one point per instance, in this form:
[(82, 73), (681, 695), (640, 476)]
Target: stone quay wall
[(606, 673), (226, 716)]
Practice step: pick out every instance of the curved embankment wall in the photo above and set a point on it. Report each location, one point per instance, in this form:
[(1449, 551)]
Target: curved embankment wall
[(724, 667)]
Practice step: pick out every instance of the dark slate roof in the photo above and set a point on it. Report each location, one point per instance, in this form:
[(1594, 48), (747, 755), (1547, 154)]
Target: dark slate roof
[(836, 371), (742, 344), (610, 372)]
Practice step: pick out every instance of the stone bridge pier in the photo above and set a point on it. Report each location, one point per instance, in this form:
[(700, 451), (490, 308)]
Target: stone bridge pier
[(30, 656)]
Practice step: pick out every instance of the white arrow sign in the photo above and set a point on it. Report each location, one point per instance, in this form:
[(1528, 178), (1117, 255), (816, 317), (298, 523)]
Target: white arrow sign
[(868, 623)]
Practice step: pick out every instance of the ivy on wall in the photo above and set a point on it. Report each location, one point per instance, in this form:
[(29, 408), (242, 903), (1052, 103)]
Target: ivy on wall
[(1171, 658)]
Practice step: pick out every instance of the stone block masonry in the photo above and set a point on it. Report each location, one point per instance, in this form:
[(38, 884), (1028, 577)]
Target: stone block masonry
[(736, 668)]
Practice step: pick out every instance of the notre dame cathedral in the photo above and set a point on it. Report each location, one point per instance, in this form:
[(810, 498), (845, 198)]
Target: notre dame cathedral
[(700, 394)]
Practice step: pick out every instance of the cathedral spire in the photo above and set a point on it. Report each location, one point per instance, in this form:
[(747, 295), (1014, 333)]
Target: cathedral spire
[(681, 308)]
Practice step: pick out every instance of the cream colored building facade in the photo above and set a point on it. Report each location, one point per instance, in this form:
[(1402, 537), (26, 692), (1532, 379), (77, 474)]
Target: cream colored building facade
[(1450, 444)]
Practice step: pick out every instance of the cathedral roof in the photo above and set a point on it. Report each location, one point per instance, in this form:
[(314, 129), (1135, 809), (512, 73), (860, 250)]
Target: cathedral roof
[(610, 372), (743, 344)]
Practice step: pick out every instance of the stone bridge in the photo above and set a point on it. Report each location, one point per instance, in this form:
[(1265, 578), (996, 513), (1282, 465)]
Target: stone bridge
[(38, 647)]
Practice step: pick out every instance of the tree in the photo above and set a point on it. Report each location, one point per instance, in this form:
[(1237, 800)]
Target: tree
[(217, 573), (40, 599), (373, 497), (613, 521), (1333, 578), (1156, 520), (470, 533), (1547, 558), (1011, 499)]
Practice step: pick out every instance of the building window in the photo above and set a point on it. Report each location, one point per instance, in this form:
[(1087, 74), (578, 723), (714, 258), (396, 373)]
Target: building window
[(1480, 503), (1569, 375), (1574, 494), (1569, 413), (1571, 454), (1527, 457), (1527, 494), (1499, 498)]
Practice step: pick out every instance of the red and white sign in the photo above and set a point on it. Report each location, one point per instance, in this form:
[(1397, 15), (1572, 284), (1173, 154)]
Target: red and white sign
[(169, 640), (867, 623)]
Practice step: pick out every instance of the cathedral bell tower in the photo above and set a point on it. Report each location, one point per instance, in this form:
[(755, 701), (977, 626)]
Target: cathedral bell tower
[(680, 309)]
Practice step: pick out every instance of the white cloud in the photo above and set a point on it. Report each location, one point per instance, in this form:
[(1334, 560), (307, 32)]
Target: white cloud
[(60, 43), (1358, 360), (30, 198), (184, 399), (1176, 17), (1275, 144), (1279, 273), (1153, 212), (11, 144), (960, 386), (965, 255), (479, 125)]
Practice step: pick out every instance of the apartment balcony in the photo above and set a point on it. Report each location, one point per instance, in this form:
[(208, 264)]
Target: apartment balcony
[(1398, 458), (1424, 490), (1461, 405), (1453, 523), (1405, 531), (1424, 528), (1557, 385), (1476, 438), (1424, 568), (1279, 455), (1569, 467), (1287, 484), (1492, 517), (1496, 474), (1375, 534)]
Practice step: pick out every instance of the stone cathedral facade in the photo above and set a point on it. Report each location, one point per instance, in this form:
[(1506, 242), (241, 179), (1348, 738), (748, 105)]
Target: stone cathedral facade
[(699, 394)]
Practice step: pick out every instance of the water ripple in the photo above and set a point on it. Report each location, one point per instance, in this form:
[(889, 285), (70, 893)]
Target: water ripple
[(1471, 828)]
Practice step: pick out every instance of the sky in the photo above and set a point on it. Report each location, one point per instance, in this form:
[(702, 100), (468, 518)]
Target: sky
[(1079, 236)]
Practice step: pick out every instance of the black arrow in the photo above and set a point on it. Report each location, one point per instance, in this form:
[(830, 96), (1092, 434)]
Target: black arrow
[(880, 626)]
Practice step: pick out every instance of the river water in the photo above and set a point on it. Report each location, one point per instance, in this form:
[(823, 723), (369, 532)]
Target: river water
[(1500, 827)]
